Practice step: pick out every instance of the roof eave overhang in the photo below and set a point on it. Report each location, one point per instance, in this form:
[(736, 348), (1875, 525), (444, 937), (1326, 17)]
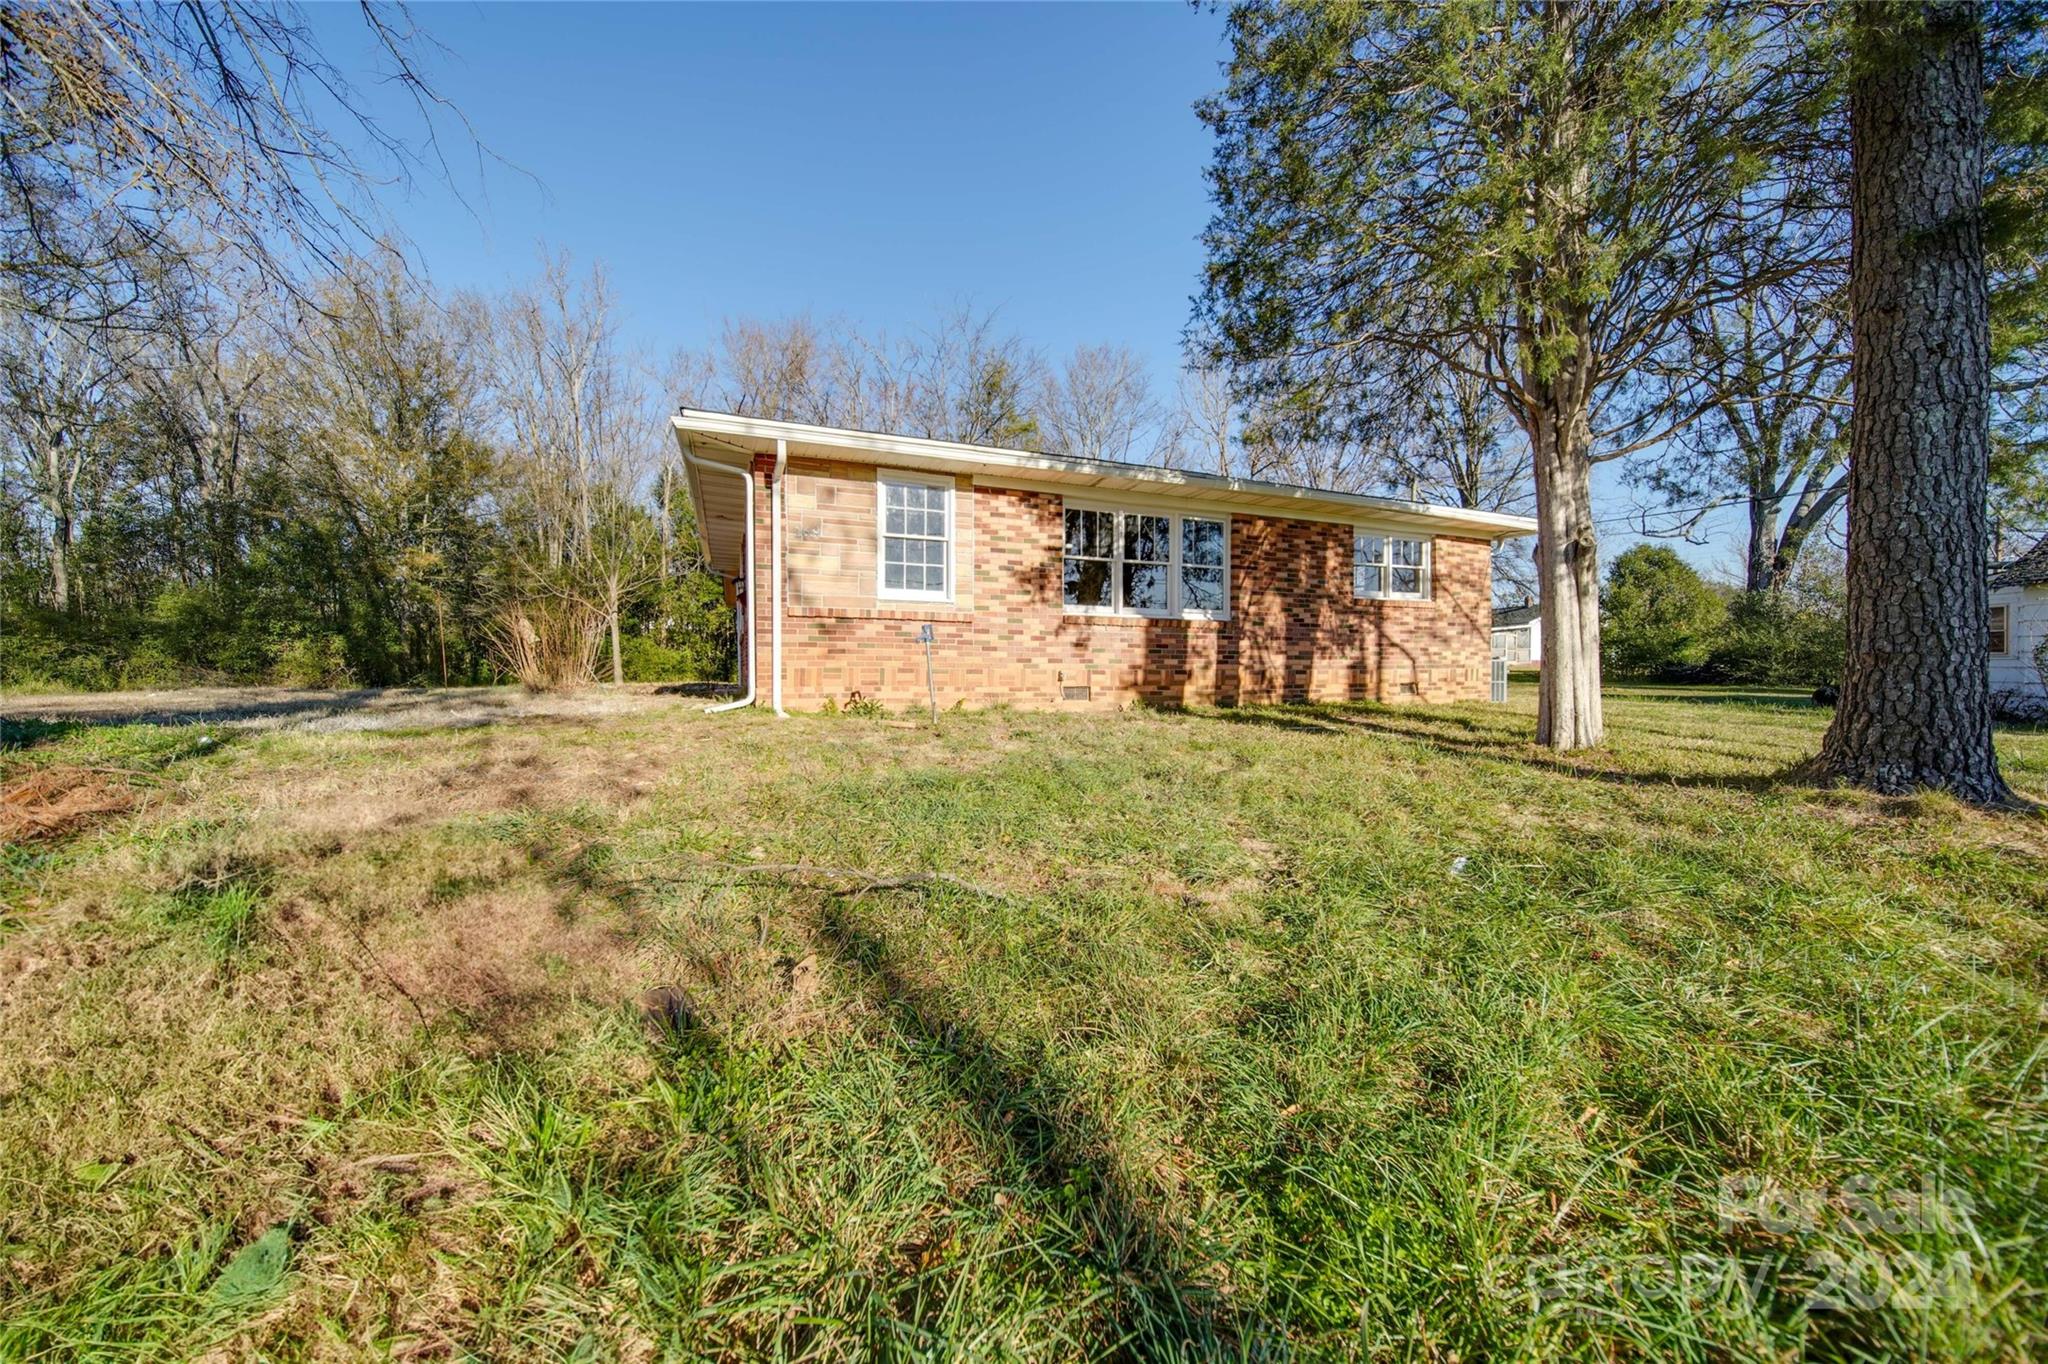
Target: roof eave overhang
[(730, 438)]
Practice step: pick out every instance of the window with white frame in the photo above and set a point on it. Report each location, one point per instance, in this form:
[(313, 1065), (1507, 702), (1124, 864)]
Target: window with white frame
[(1387, 567), (1146, 563), (1090, 570), (2000, 641), (916, 514), (1203, 583)]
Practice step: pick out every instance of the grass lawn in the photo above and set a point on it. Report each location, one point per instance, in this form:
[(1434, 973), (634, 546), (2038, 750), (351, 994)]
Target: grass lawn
[(1329, 1032)]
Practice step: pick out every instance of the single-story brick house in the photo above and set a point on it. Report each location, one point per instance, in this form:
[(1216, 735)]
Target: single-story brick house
[(1051, 581)]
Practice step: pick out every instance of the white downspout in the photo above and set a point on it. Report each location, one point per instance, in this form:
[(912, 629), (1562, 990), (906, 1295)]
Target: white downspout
[(775, 572), (745, 476)]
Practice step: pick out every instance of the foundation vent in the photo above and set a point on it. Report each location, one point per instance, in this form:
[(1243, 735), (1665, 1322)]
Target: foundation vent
[(1079, 693)]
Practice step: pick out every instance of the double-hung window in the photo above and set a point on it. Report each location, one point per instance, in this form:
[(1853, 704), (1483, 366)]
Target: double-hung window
[(916, 533), (1146, 563), (2000, 634), (1387, 567)]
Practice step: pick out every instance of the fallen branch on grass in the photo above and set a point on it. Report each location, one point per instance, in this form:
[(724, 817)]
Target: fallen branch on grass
[(855, 882)]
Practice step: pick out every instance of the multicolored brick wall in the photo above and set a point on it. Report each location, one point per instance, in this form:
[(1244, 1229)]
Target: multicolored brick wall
[(1295, 631)]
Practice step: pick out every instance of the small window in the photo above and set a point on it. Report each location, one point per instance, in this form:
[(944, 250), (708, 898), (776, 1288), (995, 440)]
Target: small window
[(917, 538), (1388, 566), (1999, 641)]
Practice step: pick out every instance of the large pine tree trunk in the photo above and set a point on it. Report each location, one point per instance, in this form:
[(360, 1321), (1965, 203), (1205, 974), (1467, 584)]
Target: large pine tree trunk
[(1915, 706), (1568, 713)]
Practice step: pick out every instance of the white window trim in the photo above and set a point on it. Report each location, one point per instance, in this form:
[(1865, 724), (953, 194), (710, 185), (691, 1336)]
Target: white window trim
[(2005, 652), (884, 477), (1174, 610), (1426, 578)]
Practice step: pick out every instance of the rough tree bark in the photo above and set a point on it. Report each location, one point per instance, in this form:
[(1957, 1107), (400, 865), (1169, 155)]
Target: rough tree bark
[(1761, 569), (1915, 709), (1568, 710), (1556, 346)]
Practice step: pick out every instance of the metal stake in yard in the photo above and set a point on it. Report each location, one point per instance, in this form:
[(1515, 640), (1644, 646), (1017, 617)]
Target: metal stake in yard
[(931, 686)]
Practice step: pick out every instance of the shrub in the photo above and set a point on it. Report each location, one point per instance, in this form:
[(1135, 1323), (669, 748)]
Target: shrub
[(648, 660), (549, 643), (1658, 615), (150, 666), (42, 650), (1796, 635), (321, 661)]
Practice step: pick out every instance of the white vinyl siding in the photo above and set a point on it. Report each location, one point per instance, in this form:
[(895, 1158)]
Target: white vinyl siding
[(2013, 673), (1145, 563)]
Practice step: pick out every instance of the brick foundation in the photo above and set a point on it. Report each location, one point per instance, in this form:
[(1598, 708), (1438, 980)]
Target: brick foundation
[(1295, 632)]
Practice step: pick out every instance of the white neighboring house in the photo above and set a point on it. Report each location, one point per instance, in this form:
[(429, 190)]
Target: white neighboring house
[(2019, 634), (1518, 634)]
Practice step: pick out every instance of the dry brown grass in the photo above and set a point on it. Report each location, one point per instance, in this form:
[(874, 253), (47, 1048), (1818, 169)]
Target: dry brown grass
[(48, 802)]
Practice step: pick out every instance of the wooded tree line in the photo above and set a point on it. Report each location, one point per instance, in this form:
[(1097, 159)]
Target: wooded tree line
[(352, 486)]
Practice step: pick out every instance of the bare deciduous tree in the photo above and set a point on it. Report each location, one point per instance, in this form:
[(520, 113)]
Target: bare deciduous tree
[(1775, 439), (958, 379), (1201, 432), (576, 409), (61, 383), (1098, 405), (129, 131)]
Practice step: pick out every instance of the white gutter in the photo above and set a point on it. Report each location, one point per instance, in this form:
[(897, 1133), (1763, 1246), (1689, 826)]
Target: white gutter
[(745, 476), (1283, 499), (775, 569)]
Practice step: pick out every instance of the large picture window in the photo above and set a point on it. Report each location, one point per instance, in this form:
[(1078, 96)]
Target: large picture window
[(1146, 563), (1389, 567), (916, 514)]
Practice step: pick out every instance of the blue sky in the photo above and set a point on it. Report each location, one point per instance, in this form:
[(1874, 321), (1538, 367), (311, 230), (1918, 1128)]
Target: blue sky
[(876, 162)]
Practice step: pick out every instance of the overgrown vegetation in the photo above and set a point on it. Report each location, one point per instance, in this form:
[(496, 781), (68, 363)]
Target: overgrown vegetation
[(266, 493), (1660, 619), (1319, 1032)]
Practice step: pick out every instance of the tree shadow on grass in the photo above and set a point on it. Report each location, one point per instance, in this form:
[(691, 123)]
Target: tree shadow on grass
[(29, 732), (1480, 741), (135, 709), (1162, 1310), (1755, 700)]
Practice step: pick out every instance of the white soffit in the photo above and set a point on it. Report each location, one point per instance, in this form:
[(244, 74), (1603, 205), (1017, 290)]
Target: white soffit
[(731, 439)]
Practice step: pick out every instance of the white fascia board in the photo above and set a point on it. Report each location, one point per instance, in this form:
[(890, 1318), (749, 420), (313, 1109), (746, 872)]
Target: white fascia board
[(991, 463)]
